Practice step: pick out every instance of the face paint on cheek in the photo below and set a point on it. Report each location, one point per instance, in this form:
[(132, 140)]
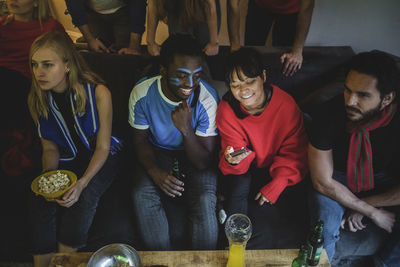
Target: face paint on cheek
[(174, 81)]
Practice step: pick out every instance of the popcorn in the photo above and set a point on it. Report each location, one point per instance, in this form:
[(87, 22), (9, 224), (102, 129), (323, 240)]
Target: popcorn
[(53, 183)]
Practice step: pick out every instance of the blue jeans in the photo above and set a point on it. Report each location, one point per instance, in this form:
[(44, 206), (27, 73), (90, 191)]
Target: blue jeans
[(198, 200), (331, 212), (52, 223)]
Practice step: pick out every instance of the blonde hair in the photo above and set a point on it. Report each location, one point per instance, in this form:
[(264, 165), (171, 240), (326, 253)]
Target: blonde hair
[(78, 75), (41, 12)]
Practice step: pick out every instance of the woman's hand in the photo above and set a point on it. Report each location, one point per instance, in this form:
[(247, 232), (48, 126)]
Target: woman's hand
[(236, 159), (71, 196), (261, 199)]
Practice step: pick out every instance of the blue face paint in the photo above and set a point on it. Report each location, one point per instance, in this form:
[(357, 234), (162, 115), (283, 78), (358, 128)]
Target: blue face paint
[(174, 81), (178, 81)]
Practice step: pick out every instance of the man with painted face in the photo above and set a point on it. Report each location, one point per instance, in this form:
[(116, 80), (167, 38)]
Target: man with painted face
[(173, 117), (354, 158)]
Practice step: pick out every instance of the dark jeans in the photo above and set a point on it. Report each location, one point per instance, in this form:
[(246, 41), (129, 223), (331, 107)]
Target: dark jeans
[(259, 22), (198, 200), (281, 225), (111, 28), (331, 212), (52, 223)]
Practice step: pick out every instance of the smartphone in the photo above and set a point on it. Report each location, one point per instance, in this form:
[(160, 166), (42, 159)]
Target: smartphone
[(238, 152)]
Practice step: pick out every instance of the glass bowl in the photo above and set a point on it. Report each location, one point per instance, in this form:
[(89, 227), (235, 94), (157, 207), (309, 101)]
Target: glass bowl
[(115, 255)]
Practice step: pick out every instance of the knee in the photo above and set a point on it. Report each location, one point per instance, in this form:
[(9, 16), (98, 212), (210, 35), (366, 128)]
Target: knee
[(146, 196), (205, 202), (203, 181)]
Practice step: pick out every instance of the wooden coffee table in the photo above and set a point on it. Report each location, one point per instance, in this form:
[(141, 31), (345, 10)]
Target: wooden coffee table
[(213, 258)]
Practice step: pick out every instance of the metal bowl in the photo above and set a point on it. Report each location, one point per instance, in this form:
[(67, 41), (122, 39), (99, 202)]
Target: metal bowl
[(115, 255)]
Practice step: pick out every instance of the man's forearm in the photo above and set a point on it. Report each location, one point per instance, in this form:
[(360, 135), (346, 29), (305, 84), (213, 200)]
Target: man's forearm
[(134, 42), (345, 197), (303, 24), (197, 153), (389, 198), (86, 33), (233, 23), (212, 21), (152, 22)]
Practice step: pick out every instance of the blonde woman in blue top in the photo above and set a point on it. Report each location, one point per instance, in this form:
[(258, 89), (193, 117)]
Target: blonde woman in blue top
[(72, 109)]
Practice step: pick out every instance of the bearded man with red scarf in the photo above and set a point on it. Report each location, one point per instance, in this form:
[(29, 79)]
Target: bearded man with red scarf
[(354, 156)]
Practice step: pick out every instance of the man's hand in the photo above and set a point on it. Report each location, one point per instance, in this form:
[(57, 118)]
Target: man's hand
[(169, 184), (129, 51), (181, 117), (211, 49), (72, 195), (153, 49), (261, 199), (236, 159), (292, 62), (384, 219), (353, 221), (97, 46)]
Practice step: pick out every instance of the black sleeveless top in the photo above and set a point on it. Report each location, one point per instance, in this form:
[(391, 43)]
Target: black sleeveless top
[(64, 105)]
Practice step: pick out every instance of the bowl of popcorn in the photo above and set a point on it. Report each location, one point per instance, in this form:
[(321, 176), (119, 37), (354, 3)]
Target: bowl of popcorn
[(53, 184)]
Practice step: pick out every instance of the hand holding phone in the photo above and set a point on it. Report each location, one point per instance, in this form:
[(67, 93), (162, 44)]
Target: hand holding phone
[(238, 152), (235, 157)]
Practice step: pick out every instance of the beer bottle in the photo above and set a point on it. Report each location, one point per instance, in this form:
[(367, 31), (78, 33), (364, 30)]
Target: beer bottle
[(301, 259), (175, 169), (315, 243)]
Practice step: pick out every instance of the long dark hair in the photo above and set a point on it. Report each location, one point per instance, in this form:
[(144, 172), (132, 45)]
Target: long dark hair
[(247, 61)]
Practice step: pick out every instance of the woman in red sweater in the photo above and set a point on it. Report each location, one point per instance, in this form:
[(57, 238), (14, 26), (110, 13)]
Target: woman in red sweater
[(267, 123)]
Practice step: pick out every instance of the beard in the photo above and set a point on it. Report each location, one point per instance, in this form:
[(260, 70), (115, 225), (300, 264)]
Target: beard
[(367, 115)]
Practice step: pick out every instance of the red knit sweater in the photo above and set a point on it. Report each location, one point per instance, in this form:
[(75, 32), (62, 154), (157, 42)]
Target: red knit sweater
[(276, 137), (16, 38)]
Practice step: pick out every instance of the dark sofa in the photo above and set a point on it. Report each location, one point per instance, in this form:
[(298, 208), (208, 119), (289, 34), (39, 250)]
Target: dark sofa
[(320, 78)]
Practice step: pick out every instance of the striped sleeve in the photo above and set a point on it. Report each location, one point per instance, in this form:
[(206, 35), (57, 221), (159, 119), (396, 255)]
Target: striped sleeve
[(137, 112), (209, 101)]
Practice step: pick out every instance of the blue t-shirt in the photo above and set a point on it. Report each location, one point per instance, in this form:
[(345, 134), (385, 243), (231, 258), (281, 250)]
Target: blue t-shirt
[(150, 109)]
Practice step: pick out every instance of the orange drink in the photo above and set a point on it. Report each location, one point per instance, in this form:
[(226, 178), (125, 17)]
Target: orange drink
[(236, 255)]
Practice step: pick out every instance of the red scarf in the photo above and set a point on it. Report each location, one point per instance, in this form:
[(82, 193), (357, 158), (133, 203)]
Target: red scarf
[(360, 174)]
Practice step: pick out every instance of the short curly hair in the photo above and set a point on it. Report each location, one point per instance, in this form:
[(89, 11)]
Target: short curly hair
[(179, 44), (379, 65)]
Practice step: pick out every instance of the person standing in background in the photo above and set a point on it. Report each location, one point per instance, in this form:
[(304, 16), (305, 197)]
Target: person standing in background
[(110, 25), (27, 20), (291, 21), (201, 18)]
